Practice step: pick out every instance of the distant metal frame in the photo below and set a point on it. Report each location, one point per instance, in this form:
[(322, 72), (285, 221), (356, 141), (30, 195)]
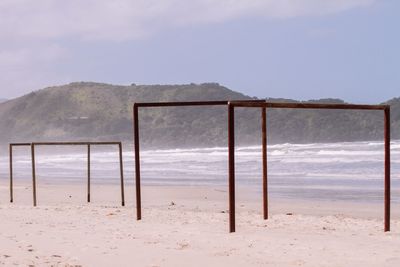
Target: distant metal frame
[(136, 107), (88, 144), (231, 140)]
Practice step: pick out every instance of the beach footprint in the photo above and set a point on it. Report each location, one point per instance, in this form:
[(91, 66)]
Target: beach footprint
[(182, 245)]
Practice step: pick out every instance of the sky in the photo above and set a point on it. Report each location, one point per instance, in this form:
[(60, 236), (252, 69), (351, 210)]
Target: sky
[(298, 49)]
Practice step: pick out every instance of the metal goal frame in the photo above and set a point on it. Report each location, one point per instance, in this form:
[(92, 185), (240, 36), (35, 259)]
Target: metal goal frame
[(88, 144)]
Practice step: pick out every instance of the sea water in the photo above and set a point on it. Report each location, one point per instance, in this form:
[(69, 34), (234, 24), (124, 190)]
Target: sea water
[(331, 171)]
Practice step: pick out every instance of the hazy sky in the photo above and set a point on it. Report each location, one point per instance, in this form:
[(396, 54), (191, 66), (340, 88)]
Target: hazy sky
[(298, 49)]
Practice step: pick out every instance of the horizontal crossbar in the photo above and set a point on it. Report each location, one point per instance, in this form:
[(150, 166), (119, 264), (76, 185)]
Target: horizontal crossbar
[(65, 143), (308, 105), (191, 103)]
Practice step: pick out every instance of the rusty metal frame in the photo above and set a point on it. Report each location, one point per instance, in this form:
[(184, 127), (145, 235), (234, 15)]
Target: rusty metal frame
[(231, 145), (231, 140), (88, 144), (136, 107)]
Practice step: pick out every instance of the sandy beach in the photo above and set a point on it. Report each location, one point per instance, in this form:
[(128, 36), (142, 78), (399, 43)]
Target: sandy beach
[(188, 226), (220, 111)]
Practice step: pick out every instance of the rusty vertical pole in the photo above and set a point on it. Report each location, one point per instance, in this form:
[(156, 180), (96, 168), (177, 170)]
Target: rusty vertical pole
[(33, 174), (11, 174), (387, 169), (137, 161), (121, 170), (231, 152), (264, 162), (88, 172)]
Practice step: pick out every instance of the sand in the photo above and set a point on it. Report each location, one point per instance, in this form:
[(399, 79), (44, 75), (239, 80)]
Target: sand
[(188, 226)]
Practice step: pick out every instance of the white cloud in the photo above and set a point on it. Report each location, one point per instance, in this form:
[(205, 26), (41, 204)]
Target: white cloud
[(130, 19)]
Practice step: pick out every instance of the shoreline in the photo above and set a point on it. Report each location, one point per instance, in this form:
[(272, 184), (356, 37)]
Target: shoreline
[(247, 197)]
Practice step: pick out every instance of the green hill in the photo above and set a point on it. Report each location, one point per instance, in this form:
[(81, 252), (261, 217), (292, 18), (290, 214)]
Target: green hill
[(94, 111)]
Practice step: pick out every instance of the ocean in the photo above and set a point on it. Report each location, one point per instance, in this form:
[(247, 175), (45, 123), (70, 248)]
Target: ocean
[(326, 171)]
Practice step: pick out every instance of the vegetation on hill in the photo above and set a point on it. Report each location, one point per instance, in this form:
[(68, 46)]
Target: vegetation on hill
[(94, 111)]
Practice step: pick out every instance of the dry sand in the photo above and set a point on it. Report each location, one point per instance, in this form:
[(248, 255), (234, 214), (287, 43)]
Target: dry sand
[(191, 231)]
